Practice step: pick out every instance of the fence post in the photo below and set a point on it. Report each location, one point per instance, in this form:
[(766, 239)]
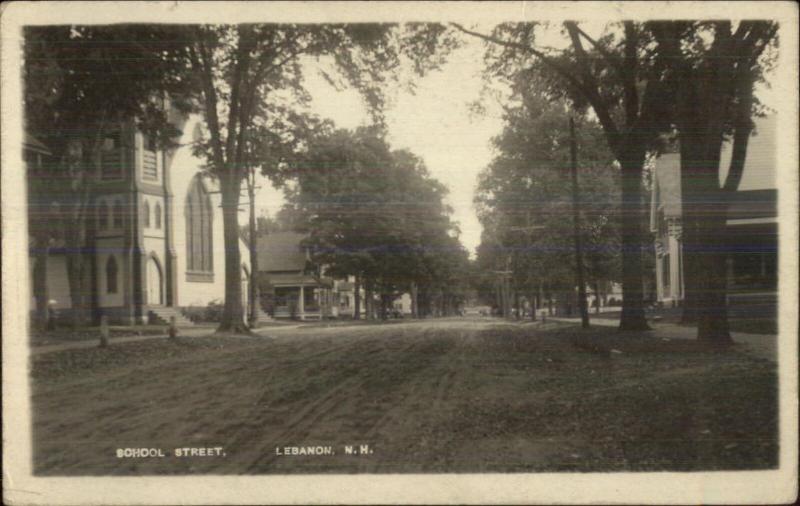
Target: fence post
[(104, 331), (173, 328)]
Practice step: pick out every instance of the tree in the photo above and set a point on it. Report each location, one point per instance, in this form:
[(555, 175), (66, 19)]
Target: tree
[(624, 87), (81, 83), (523, 196), (713, 70), (243, 70), (375, 214)]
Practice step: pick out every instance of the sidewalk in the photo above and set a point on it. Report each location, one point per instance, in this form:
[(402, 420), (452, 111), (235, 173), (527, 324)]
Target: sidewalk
[(760, 345), (94, 343), (182, 332)]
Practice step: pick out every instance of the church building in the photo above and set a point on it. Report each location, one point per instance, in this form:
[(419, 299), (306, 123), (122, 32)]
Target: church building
[(154, 236)]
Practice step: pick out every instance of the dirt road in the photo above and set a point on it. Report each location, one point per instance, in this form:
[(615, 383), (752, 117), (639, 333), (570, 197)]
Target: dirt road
[(456, 395)]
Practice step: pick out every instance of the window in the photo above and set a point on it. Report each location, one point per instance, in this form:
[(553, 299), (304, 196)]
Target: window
[(111, 275), (146, 214), (102, 216), (199, 258), (149, 158), (117, 214), (158, 215)]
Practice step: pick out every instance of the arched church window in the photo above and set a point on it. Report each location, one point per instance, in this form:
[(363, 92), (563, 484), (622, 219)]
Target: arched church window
[(157, 215), (102, 216), (117, 214), (146, 214), (111, 275), (198, 229)]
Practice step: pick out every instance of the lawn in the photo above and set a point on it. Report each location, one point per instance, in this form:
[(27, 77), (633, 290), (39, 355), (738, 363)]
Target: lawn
[(459, 395), (761, 320)]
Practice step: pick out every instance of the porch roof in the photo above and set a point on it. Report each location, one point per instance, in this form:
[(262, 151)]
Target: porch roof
[(293, 279), (281, 251)]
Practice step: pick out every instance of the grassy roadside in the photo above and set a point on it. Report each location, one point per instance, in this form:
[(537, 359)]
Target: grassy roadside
[(761, 324), (458, 397)]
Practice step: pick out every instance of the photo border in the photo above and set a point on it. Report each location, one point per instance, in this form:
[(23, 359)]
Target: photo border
[(739, 487)]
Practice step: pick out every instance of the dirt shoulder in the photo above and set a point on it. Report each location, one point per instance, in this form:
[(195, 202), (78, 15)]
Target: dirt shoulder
[(460, 395)]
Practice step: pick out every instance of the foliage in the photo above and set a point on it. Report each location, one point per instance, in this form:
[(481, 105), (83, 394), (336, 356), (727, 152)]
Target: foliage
[(211, 312), (250, 81), (82, 82), (712, 68), (375, 213), (616, 76), (524, 196)]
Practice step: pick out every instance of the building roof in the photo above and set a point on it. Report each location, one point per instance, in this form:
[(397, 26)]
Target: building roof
[(760, 165), (667, 184), (294, 279), (281, 252), (758, 174), (34, 144)]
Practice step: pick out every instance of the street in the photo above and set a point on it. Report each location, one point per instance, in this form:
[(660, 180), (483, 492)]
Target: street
[(438, 395)]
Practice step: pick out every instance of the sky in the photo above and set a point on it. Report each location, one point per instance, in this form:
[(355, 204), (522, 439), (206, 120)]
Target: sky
[(434, 122)]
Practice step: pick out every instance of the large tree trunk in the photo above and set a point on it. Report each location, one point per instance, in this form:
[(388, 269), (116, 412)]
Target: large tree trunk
[(633, 317), (233, 312), (596, 287), (368, 299), (77, 287), (704, 237), (691, 235), (253, 285), (414, 301), (712, 310), (533, 304), (357, 296), (384, 306)]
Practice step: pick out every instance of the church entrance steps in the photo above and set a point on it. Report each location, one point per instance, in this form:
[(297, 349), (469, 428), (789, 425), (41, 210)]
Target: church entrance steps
[(162, 315), (262, 317)]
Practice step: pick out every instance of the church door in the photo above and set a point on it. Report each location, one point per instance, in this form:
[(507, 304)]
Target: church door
[(155, 294)]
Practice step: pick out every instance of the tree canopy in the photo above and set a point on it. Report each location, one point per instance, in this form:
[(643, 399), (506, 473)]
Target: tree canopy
[(377, 214), (524, 196)]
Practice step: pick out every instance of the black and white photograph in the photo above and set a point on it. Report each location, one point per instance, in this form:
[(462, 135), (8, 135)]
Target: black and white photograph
[(399, 252)]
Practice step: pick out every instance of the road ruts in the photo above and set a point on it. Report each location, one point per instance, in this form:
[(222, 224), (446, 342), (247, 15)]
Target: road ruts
[(301, 425)]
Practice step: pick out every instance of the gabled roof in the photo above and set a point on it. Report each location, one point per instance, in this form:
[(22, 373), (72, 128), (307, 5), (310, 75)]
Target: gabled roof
[(667, 183), (281, 252), (758, 174), (760, 165)]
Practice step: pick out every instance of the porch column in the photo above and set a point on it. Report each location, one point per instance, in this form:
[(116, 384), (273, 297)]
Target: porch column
[(659, 278), (674, 269), (301, 304)]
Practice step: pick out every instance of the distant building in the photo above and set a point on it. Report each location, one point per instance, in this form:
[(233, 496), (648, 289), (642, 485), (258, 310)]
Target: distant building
[(752, 225), (154, 232), (285, 269)]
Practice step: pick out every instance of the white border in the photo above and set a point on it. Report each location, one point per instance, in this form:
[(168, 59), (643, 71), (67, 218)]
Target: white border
[(609, 488)]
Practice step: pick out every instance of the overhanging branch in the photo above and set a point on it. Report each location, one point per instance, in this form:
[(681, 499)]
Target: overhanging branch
[(600, 108)]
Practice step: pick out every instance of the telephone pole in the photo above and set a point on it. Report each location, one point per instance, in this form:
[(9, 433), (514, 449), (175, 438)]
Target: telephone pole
[(577, 229), (252, 309)]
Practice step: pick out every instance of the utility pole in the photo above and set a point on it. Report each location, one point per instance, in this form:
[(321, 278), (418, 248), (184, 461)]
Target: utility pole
[(253, 244), (576, 226)]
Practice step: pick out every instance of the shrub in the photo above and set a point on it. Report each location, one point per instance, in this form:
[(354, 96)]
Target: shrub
[(213, 312)]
